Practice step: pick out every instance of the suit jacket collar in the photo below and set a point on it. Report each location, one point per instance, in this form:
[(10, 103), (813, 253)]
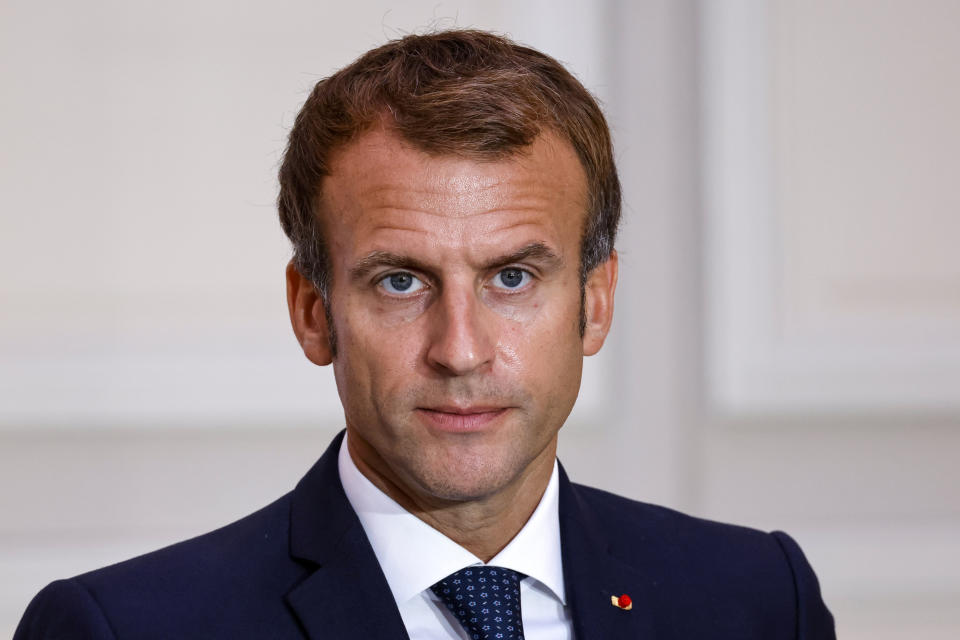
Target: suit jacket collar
[(593, 573), (346, 595)]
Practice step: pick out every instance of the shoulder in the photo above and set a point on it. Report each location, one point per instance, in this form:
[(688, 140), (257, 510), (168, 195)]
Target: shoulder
[(662, 525), (235, 575), (635, 530), (711, 572), (704, 546), (250, 546), (64, 609)]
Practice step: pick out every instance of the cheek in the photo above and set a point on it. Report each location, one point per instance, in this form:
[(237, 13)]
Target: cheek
[(372, 329), (548, 307), (540, 339), (377, 351)]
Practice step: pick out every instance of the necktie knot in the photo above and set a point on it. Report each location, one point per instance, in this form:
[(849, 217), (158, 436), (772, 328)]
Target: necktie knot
[(486, 601)]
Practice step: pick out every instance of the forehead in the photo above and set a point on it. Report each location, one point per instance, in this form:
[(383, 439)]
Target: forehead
[(381, 189)]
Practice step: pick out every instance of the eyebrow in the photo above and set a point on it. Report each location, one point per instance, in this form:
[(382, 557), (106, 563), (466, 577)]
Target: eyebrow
[(377, 259), (534, 251)]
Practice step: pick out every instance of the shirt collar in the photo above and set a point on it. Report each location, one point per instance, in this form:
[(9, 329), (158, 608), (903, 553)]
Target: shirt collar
[(413, 555)]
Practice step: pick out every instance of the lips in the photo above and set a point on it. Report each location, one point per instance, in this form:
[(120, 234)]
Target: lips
[(461, 419)]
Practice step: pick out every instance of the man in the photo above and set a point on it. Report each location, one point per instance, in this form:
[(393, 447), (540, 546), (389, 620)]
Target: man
[(453, 203)]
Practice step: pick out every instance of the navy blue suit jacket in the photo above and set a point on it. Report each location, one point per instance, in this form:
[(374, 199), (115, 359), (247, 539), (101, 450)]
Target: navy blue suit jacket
[(302, 568)]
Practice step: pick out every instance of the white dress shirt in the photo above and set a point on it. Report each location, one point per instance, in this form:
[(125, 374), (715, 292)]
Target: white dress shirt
[(414, 556)]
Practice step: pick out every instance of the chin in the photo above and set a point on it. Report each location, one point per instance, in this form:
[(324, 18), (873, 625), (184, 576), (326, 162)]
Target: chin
[(468, 479), (464, 492)]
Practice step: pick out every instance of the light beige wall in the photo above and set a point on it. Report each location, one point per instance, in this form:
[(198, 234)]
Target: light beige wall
[(150, 386), (832, 363), (146, 366)]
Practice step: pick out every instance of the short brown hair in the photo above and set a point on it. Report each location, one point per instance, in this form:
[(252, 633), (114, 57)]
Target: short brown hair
[(461, 92)]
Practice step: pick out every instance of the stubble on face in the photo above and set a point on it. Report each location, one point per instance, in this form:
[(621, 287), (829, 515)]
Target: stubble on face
[(450, 215), (461, 467)]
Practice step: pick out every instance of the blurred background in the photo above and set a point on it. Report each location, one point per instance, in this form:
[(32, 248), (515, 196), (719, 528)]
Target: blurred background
[(786, 349)]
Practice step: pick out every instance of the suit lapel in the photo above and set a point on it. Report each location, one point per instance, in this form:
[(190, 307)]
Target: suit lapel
[(346, 595), (592, 575)]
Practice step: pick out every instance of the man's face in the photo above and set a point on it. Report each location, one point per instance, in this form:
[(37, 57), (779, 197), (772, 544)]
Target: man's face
[(456, 305)]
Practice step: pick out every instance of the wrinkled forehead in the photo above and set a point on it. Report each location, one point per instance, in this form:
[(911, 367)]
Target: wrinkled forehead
[(379, 168), (383, 192)]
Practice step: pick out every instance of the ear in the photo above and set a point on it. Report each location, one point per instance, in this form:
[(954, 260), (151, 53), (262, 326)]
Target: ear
[(308, 317), (598, 304)]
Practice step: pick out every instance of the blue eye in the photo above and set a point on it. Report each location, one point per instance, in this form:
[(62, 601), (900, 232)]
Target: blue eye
[(511, 278), (401, 283)]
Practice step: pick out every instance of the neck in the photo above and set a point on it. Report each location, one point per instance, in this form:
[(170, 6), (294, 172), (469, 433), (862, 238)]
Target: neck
[(483, 526)]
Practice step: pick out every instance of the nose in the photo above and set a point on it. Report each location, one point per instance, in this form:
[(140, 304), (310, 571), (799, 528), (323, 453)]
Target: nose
[(461, 336)]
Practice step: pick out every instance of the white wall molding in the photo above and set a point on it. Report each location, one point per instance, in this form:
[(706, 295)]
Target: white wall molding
[(761, 358)]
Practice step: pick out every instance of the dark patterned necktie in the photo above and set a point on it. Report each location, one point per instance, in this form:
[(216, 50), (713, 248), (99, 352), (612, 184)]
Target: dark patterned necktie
[(486, 601)]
